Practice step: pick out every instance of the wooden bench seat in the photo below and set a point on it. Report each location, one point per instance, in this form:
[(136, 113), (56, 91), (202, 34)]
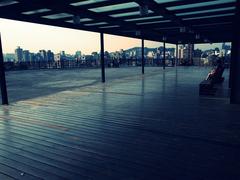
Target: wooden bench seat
[(206, 88)]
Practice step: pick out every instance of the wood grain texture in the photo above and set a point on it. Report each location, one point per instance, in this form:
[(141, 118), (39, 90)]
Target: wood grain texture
[(132, 127)]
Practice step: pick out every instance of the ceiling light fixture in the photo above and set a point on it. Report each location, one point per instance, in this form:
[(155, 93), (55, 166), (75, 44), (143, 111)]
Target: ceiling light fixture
[(182, 29), (138, 33), (76, 19), (197, 36)]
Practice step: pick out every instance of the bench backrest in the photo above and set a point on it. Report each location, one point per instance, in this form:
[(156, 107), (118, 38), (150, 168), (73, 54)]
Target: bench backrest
[(218, 75)]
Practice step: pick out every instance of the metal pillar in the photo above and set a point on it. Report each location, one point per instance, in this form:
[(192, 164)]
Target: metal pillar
[(164, 54), (2, 77), (235, 64), (235, 72), (102, 57), (231, 65), (176, 60), (143, 60)]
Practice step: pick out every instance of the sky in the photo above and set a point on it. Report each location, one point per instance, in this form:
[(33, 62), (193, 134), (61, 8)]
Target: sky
[(35, 37)]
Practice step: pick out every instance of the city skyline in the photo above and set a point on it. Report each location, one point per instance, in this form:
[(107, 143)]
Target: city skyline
[(36, 37)]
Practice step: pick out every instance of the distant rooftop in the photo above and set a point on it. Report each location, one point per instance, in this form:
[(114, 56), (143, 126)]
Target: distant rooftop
[(180, 21)]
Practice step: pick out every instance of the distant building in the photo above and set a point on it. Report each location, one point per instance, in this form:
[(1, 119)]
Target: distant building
[(38, 57), (151, 54), (32, 57), (135, 52), (26, 56), (62, 53), (180, 52), (197, 53), (186, 53), (57, 57), (96, 57), (50, 56), (107, 55), (171, 52), (19, 54), (78, 55), (197, 57), (43, 55), (9, 57), (226, 47)]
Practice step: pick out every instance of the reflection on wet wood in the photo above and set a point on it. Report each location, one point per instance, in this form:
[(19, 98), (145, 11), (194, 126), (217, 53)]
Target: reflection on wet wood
[(153, 127)]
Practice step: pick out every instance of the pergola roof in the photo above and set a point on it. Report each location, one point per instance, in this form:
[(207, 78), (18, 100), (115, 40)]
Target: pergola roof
[(180, 21)]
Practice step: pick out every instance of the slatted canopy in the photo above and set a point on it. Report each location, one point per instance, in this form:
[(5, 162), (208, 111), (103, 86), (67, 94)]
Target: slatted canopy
[(174, 21)]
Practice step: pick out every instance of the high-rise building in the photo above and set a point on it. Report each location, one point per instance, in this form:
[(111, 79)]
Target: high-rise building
[(187, 53), (190, 52), (62, 56), (57, 57), (19, 54), (32, 57), (96, 56), (50, 56), (38, 57), (180, 52), (43, 55), (26, 56)]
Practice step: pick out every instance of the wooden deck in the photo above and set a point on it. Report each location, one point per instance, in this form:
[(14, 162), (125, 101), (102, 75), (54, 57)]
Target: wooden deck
[(133, 127)]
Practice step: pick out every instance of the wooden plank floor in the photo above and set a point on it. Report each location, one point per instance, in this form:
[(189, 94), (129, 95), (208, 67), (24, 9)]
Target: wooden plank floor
[(133, 127)]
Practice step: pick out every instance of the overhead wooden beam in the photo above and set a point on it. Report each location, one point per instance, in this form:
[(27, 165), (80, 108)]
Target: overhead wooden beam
[(208, 14), (162, 10), (183, 2), (148, 32), (102, 4), (202, 8), (65, 7)]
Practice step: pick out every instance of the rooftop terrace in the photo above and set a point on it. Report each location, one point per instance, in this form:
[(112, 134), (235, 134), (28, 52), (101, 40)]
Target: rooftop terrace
[(63, 124), (66, 124)]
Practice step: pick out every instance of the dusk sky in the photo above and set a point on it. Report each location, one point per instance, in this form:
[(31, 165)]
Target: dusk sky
[(34, 37)]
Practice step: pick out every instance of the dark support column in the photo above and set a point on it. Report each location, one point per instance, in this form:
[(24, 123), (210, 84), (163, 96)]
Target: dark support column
[(176, 60), (143, 60), (231, 65), (102, 57), (2, 77), (235, 72), (235, 64), (164, 54)]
